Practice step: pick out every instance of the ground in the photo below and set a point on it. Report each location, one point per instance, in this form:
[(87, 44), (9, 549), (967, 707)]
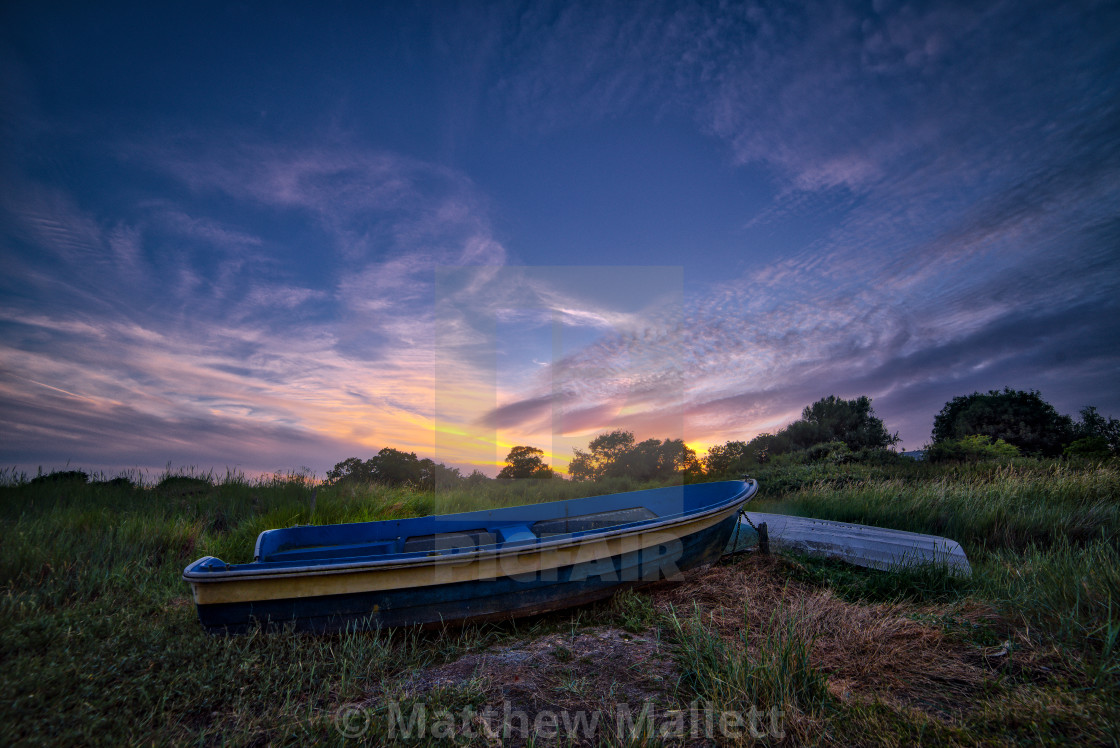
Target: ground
[(917, 666)]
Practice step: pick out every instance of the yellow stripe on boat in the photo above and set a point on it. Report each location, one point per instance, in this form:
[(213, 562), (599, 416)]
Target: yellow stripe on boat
[(445, 568)]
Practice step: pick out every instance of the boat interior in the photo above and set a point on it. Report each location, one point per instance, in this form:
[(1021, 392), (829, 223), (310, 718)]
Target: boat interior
[(470, 531)]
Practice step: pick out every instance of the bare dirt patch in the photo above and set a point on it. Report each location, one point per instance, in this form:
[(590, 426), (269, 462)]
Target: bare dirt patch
[(590, 671)]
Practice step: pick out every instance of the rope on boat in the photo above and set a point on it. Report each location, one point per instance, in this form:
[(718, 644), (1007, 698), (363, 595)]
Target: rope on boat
[(742, 516)]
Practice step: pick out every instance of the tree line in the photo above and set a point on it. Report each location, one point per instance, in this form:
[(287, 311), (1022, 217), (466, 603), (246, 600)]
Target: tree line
[(995, 424), (392, 467)]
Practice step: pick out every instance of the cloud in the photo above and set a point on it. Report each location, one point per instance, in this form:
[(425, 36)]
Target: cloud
[(519, 413), (174, 313), (332, 295), (754, 351)]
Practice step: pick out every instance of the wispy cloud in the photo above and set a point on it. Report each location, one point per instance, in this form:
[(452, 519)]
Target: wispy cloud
[(226, 292), (209, 330)]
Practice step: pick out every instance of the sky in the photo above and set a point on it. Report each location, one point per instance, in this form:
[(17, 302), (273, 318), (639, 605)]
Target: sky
[(267, 237)]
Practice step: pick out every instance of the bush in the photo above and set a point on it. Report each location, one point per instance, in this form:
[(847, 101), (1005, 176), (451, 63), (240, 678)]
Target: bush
[(974, 448), (836, 451), (183, 485), (1090, 447), (1020, 418), (61, 476), (876, 456), (120, 481)]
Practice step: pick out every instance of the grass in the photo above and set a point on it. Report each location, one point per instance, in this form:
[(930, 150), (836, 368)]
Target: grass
[(101, 644), (982, 506), (775, 673), (919, 583), (1043, 538)]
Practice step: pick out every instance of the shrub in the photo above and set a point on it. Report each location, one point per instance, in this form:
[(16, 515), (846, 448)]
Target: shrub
[(1020, 418), (183, 485), (121, 481), (1091, 447), (973, 448), (835, 451), (61, 476)]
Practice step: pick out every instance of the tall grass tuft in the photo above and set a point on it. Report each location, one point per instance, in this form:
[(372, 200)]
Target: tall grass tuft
[(982, 506), (1043, 537), (1066, 593), (740, 675)]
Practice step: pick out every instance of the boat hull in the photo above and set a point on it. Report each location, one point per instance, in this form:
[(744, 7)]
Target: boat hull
[(873, 547), (456, 588), (491, 598)]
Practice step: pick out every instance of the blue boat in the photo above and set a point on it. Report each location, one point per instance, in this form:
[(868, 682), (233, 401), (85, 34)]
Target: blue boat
[(482, 565)]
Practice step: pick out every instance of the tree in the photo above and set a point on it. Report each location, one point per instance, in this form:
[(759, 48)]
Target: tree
[(605, 458), (764, 446), (444, 476), (392, 467), (832, 419), (659, 460), (725, 459), (581, 467), (525, 462), (1096, 434), (1021, 418), (831, 428), (350, 470), (476, 478), (615, 455)]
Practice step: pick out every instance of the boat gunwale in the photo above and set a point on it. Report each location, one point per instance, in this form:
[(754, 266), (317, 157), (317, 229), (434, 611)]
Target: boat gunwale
[(449, 556)]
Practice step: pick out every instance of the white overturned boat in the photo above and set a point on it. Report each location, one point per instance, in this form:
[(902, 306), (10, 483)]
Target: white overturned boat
[(863, 545)]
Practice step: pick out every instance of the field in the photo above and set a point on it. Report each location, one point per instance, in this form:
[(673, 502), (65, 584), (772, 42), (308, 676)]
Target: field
[(100, 642)]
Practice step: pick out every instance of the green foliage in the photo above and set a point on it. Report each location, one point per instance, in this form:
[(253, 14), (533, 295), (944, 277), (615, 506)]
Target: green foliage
[(974, 448), (831, 429), (606, 457), (835, 451), (350, 470), (120, 481), (183, 484), (524, 463), (875, 456), (1102, 431), (838, 453), (1020, 418), (615, 455), (476, 478), (1067, 590), (832, 419), (634, 611), (726, 459), (100, 640), (1089, 447), (392, 467)]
